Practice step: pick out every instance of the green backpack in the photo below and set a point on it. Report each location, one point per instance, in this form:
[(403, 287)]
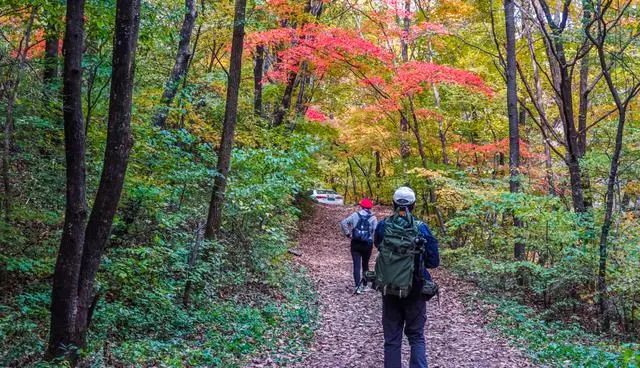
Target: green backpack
[(395, 263)]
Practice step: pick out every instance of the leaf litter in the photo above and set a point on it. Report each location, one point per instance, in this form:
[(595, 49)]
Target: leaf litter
[(350, 331)]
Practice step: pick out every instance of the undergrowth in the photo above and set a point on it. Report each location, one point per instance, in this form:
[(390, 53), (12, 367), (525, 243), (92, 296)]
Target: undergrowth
[(547, 339)]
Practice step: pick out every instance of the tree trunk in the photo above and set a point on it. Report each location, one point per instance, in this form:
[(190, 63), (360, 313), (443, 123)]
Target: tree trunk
[(303, 78), (50, 72), (405, 152), (116, 156), (258, 70), (285, 103), (23, 48), (582, 127), (540, 98), (583, 107), (416, 132), (64, 296), (214, 219), (512, 110), (366, 174), (81, 248), (603, 299), (561, 78), (353, 181), (442, 134), (180, 66), (191, 263), (571, 135), (405, 27)]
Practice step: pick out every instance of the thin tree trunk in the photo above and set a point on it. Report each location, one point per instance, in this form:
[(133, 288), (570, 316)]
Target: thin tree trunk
[(64, 296), (442, 134), (571, 135), (214, 218), (301, 107), (116, 156), (9, 121), (416, 132), (191, 263), (353, 180), (405, 152), (366, 175), (512, 109), (285, 103), (603, 299), (405, 27), (315, 9), (180, 66), (540, 97), (560, 73), (50, 72), (583, 107), (258, 70)]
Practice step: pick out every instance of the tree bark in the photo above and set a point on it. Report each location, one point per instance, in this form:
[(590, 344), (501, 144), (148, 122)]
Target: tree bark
[(561, 78), (179, 67), (285, 103), (405, 152), (366, 174), (416, 133), (50, 72), (512, 110), (603, 298), (258, 70), (570, 133), (540, 98), (214, 219), (353, 180), (303, 78), (81, 248), (64, 297), (116, 156), (191, 263), (621, 107), (583, 106), (442, 134)]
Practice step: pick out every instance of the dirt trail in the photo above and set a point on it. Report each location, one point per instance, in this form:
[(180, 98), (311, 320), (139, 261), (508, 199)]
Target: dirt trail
[(351, 330)]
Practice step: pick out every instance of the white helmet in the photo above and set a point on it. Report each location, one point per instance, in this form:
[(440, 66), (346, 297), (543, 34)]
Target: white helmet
[(404, 196)]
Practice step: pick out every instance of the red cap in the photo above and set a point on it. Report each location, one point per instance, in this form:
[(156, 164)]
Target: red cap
[(366, 203)]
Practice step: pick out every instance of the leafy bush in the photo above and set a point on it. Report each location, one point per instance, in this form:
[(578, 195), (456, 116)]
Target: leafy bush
[(245, 295)]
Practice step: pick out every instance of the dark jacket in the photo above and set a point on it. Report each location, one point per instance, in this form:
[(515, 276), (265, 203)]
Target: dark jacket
[(430, 258)]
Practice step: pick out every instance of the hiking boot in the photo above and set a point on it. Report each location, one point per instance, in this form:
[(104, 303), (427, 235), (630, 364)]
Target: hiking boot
[(359, 289)]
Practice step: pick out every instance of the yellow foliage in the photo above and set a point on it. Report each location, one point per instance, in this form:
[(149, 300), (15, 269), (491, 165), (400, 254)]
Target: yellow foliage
[(632, 188), (450, 199), (425, 173)]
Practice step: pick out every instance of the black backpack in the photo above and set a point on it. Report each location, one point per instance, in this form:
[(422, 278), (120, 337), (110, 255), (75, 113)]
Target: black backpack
[(361, 231)]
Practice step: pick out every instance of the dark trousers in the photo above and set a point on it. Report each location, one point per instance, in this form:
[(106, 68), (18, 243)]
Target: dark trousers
[(360, 252), (410, 315)]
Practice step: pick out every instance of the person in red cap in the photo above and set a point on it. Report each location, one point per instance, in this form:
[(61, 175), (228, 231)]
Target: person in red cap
[(360, 227)]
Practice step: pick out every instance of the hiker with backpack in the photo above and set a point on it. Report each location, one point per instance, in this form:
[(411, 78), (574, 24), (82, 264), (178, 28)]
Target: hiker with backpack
[(406, 248), (359, 227)]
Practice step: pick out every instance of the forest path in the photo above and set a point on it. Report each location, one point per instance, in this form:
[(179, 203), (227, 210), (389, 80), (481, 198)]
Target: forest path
[(350, 334)]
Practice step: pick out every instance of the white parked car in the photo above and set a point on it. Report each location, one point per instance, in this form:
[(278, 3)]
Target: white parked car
[(326, 196)]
